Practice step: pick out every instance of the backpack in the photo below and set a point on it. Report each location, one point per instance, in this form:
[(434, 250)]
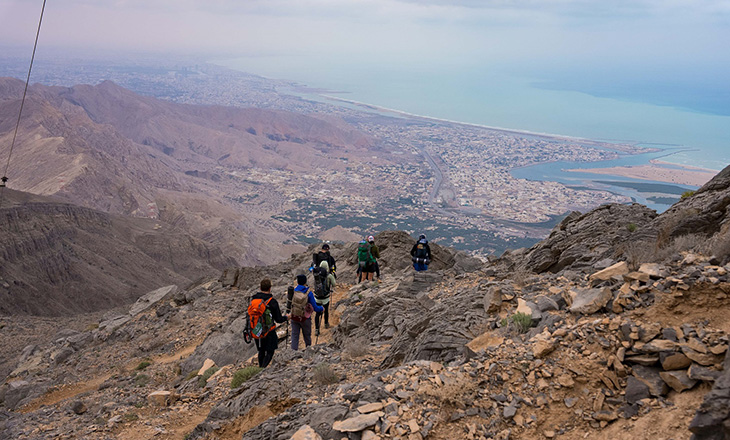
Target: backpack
[(421, 255), (300, 305), (259, 320), (364, 257), (321, 287)]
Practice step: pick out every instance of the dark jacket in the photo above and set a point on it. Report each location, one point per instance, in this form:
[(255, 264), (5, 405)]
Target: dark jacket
[(273, 306), (374, 251), (324, 256), (415, 248)]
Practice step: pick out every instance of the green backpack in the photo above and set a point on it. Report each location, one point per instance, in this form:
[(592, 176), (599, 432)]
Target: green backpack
[(364, 257)]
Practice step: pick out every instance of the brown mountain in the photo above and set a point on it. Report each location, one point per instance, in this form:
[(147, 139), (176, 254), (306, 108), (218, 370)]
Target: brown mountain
[(59, 258), (106, 148)]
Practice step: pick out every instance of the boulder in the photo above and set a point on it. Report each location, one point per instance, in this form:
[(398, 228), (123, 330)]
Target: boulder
[(654, 270), (306, 433), (652, 379), (636, 390), (617, 270), (678, 380), (161, 398), (150, 299), (674, 361), (493, 300), (358, 423), (587, 301), (209, 363)]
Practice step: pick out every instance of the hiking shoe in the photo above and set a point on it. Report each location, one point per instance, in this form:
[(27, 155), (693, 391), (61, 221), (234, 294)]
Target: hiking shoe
[(316, 332), (379, 281), (326, 325)]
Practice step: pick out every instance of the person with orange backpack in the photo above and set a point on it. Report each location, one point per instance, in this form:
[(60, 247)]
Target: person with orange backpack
[(262, 315), (301, 304)]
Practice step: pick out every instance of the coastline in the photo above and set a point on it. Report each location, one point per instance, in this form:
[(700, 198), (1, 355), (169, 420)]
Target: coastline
[(622, 147), (658, 171)]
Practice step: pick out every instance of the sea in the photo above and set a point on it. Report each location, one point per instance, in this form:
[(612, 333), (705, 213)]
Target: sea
[(689, 122)]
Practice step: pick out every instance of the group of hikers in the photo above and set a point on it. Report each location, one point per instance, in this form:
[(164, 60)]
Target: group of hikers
[(303, 300)]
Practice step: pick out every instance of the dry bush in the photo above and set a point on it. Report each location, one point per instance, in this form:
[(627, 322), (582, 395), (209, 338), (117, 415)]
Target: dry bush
[(683, 243), (637, 252), (324, 375), (718, 245), (521, 276), (357, 348), (453, 393)]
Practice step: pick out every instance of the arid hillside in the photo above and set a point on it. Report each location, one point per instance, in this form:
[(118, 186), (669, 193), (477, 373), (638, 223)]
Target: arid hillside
[(615, 326)]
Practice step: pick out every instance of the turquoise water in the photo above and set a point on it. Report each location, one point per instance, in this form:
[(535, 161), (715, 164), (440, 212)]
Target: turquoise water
[(484, 94)]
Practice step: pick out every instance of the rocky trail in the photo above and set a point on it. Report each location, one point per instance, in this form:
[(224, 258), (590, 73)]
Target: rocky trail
[(615, 326)]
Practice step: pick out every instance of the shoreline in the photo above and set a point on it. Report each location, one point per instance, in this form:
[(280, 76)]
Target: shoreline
[(656, 171), (629, 148)]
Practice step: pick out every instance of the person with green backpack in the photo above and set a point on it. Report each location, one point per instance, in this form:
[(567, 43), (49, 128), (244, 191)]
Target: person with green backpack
[(261, 317), (365, 261)]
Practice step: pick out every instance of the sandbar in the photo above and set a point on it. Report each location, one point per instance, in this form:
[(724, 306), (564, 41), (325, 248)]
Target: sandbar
[(678, 174)]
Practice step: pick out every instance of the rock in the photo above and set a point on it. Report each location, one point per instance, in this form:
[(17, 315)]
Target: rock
[(637, 276), (636, 390), (229, 277), (78, 407), (646, 360), (658, 346), (206, 365), (369, 435), (542, 348), (617, 270), (112, 324), (700, 358), (305, 433), (161, 398), (493, 300), (545, 304), (357, 423), (674, 361), (654, 270), (678, 380), (652, 379), (698, 372), (589, 301), (152, 298), (605, 416), (370, 407), (509, 412)]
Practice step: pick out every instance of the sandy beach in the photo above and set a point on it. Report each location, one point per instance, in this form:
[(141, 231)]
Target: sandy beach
[(657, 171)]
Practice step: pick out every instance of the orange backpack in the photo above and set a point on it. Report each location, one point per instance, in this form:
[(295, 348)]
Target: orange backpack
[(260, 321)]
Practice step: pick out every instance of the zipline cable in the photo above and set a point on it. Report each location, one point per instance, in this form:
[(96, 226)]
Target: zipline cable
[(4, 178)]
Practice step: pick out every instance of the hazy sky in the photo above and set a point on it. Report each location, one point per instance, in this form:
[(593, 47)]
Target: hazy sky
[(672, 33)]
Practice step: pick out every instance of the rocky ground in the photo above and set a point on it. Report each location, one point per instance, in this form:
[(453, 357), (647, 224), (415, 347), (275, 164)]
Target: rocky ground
[(594, 340)]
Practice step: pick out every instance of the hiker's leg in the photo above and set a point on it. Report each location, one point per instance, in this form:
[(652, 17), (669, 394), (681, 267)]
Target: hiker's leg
[(295, 335), (326, 314), (307, 332), (377, 270), (262, 352), (269, 345), (318, 319)]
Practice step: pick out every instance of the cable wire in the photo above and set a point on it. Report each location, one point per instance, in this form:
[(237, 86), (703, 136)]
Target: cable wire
[(4, 178)]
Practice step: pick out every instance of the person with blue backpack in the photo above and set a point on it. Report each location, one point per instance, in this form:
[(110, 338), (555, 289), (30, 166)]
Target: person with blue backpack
[(421, 254)]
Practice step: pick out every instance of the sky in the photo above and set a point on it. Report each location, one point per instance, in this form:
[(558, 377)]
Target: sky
[(666, 33)]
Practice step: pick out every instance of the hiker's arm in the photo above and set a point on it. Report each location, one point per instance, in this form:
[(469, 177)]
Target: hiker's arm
[(276, 312), (413, 249), (317, 308)]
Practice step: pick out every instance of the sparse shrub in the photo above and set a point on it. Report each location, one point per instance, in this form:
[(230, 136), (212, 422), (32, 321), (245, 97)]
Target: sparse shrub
[(357, 348), (631, 227), (191, 375), (504, 322), (203, 380), (92, 326), (141, 380), (683, 243), (453, 393), (243, 375), (522, 321), (324, 375), (718, 245), (131, 417), (687, 194), (636, 252), (142, 365)]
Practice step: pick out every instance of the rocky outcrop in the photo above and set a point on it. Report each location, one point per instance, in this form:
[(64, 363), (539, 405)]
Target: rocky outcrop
[(712, 421)]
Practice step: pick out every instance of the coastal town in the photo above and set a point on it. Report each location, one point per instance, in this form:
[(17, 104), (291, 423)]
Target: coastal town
[(449, 179)]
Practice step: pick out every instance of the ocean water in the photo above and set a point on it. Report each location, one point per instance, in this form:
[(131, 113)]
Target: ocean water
[(696, 126)]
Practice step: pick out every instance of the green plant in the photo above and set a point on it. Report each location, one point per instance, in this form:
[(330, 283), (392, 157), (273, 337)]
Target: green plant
[(631, 227), (141, 380), (504, 322), (131, 417), (243, 375), (324, 375), (191, 375), (522, 321), (687, 194), (142, 365), (202, 380)]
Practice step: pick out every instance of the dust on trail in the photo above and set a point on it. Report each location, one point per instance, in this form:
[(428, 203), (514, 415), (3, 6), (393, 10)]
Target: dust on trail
[(69, 391)]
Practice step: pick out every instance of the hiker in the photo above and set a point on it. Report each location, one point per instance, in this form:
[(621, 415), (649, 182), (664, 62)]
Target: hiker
[(324, 255), (375, 251), (324, 285), (263, 314), (301, 304), (365, 261), (421, 254)]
